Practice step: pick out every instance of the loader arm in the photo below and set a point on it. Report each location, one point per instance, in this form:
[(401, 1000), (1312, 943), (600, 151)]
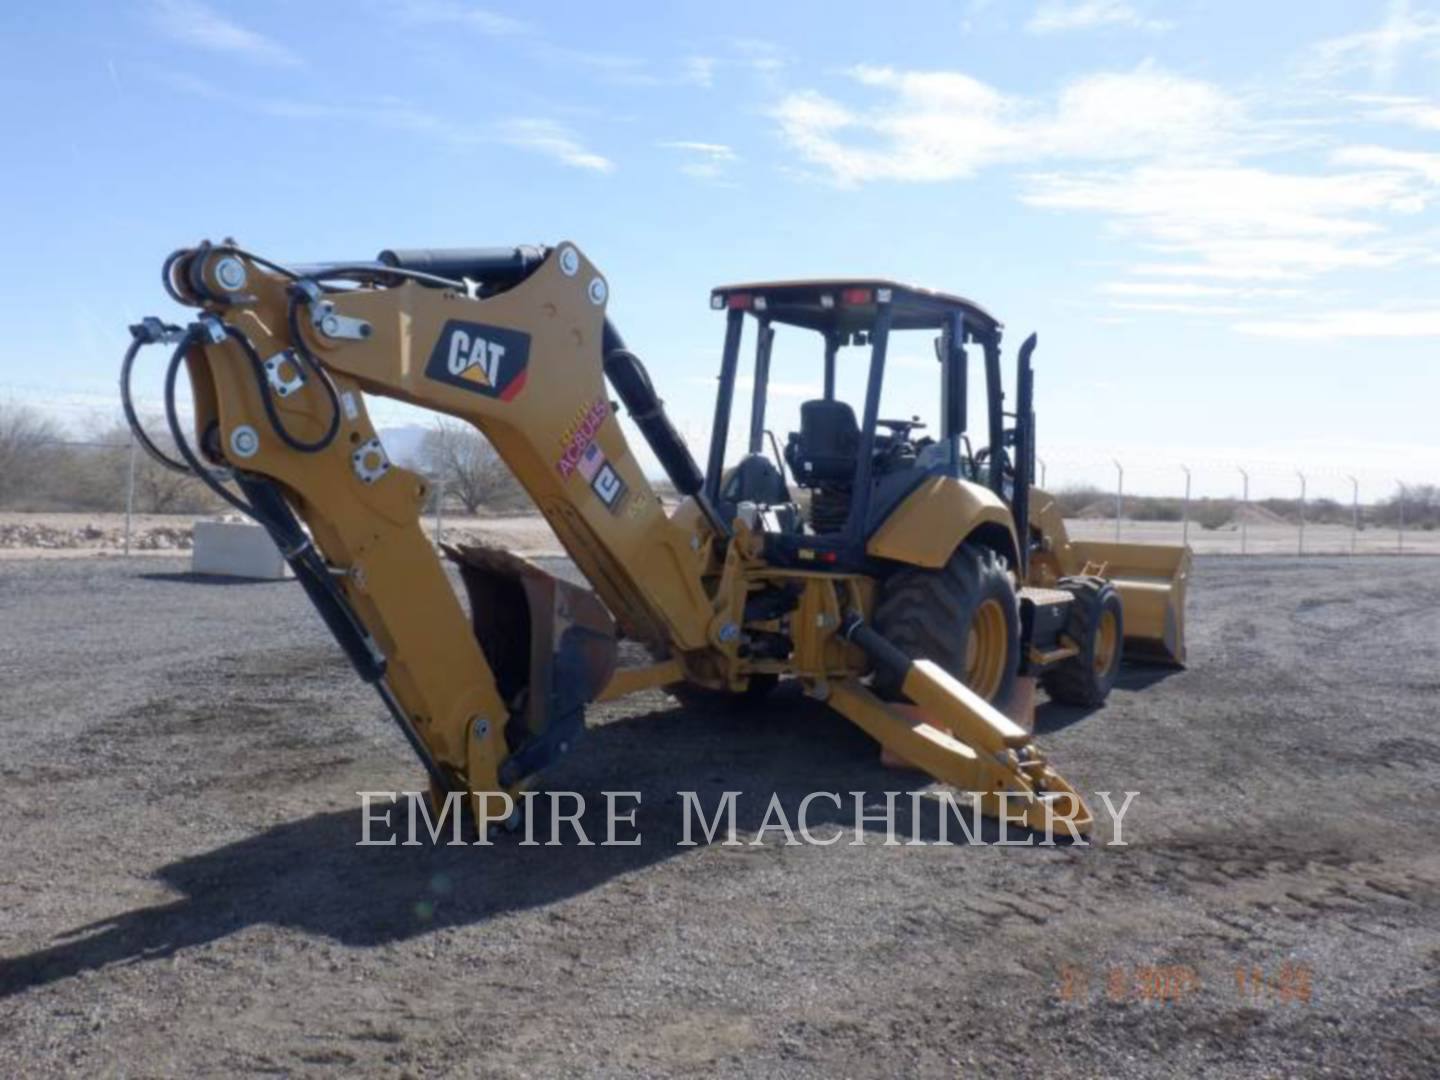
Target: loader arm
[(517, 344)]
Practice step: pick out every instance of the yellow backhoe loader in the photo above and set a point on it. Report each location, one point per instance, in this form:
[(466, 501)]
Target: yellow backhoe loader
[(922, 578)]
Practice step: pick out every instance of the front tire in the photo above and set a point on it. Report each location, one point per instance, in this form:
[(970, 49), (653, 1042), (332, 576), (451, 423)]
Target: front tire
[(964, 617), (1097, 627)]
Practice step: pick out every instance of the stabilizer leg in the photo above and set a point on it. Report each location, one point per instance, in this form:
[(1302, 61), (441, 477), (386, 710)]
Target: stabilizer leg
[(958, 738)]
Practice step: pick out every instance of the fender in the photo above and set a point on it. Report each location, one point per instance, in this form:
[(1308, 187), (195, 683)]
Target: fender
[(940, 515)]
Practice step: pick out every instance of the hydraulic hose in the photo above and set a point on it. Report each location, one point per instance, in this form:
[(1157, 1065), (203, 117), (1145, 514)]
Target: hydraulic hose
[(267, 398), (143, 334), (200, 469)]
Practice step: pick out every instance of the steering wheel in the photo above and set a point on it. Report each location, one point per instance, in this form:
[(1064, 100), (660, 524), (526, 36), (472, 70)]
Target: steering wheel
[(901, 427)]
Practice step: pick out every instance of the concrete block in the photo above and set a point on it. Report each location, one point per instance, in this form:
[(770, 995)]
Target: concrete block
[(236, 550)]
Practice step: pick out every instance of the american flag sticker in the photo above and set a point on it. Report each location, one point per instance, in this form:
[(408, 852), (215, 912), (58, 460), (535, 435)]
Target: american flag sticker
[(590, 461)]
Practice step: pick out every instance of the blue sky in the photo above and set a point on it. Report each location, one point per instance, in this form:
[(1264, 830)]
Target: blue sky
[(1220, 217)]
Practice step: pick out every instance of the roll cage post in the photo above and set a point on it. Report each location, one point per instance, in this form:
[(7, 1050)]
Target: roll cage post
[(865, 467), (953, 378), (764, 341), (734, 329)]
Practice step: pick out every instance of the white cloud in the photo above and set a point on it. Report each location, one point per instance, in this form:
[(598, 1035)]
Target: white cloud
[(481, 20), (556, 141), (1424, 165), (1379, 52), (1178, 307), (1416, 112), (1358, 323), (531, 133), (1060, 15), (1170, 162), (699, 70), (716, 151), (1243, 222), (946, 125), (1190, 290), (195, 24), (703, 160)]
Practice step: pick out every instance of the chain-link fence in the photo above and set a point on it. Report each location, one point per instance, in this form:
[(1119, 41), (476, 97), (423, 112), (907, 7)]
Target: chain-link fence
[(1243, 508), (1216, 507)]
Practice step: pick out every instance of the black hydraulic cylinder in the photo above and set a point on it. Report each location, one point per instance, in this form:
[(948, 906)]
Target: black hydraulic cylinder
[(630, 380), (498, 266), (890, 663), (313, 574)]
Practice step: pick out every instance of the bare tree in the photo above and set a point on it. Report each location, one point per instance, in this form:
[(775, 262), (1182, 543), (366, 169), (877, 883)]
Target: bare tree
[(27, 439), (158, 490), (463, 459)]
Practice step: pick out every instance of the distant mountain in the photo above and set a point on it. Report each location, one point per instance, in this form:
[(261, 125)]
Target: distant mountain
[(403, 444)]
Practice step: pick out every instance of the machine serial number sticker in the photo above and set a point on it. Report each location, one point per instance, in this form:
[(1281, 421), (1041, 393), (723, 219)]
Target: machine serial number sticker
[(488, 360), (609, 487)]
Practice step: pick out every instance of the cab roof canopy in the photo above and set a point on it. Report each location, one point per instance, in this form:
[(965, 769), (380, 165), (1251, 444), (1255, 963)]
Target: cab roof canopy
[(843, 306)]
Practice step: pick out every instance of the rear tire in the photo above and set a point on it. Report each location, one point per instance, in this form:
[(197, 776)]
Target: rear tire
[(1097, 626), (964, 617)]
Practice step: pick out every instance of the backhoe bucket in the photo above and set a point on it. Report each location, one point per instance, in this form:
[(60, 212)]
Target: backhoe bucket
[(551, 645), (1151, 580)]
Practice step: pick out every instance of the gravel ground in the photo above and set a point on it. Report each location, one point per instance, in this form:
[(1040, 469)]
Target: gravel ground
[(181, 894)]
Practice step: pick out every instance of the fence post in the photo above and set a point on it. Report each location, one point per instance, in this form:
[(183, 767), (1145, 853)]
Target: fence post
[(129, 493), (439, 508), (1400, 536), (1185, 509), (1354, 513), (1119, 496), (1244, 509), (1301, 550)]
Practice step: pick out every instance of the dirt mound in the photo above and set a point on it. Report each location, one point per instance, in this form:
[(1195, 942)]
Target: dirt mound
[(1251, 514), (42, 537)]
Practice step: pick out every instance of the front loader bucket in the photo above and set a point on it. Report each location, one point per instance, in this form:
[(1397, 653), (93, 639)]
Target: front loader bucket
[(1151, 580)]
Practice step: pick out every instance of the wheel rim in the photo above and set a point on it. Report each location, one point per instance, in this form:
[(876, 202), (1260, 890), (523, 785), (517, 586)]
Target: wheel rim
[(1106, 641), (986, 650)]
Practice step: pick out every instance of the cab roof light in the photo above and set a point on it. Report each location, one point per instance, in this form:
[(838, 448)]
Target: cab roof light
[(738, 300), (855, 296)]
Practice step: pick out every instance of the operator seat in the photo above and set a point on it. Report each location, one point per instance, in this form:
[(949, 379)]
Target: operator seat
[(827, 446)]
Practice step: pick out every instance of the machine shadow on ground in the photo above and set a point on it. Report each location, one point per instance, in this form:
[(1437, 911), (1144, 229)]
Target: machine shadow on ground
[(309, 875), (1051, 716), (189, 577)]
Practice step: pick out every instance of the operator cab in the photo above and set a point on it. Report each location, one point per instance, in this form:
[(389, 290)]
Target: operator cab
[(853, 467)]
